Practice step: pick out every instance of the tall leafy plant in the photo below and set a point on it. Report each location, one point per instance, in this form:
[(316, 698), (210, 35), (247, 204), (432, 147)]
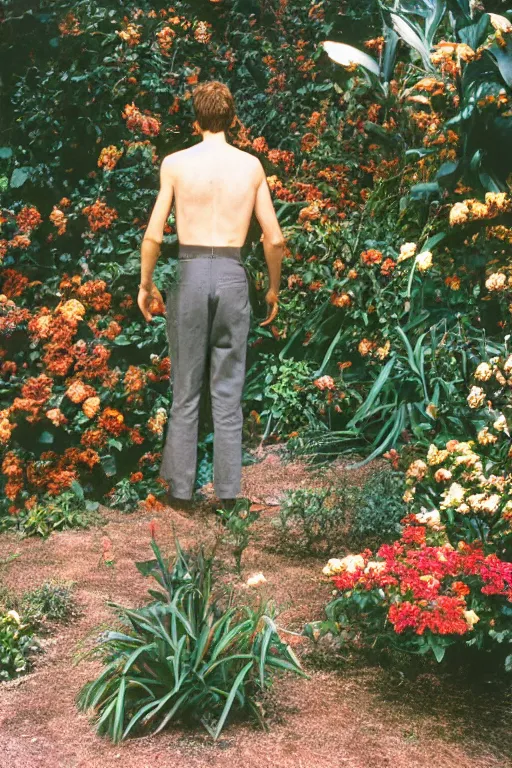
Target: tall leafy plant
[(185, 656)]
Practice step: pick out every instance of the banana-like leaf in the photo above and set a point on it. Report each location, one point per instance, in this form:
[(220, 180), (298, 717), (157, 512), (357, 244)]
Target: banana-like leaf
[(346, 55), (389, 53), (412, 38), (433, 20)]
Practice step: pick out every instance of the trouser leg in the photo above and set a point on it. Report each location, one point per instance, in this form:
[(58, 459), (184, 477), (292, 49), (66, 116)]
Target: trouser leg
[(187, 331), (228, 346)]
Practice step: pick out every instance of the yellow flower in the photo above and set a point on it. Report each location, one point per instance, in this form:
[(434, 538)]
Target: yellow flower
[(91, 406), (476, 397), (485, 437), (496, 282), (459, 214), (435, 456), (72, 310), (483, 372)]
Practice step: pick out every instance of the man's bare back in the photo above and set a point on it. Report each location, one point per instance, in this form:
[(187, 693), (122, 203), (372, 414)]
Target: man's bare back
[(215, 188)]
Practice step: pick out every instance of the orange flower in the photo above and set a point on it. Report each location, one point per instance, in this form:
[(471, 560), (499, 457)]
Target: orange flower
[(100, 216), (341, 300), (37, 389), (112, 421), (78, 391), (165, 40), (109, 157), (202, 32), (28, 219), (260, 145), (137, 122), (14, 283), (19, 241), (130, 35), (91, 406), (371, 256), (59, 220), (387, 267), (56, 416)]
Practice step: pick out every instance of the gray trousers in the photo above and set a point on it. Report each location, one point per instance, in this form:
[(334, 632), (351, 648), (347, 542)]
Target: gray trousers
[(208, 317)]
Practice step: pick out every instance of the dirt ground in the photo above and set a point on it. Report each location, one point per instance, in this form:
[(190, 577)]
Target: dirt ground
[(350, 717)]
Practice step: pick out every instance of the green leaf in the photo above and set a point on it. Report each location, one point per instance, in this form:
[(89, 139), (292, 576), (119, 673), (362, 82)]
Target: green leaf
[(19, 176), (229, 703), (46, 438), (5, 153), (109, 465)]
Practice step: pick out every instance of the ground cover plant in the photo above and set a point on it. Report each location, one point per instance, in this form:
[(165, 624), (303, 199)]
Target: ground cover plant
[(24, 618)]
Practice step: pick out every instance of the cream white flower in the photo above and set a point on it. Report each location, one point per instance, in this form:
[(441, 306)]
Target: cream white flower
[(453, 496), (496, 282), (471, 617), (500, 424), (350, 563), (256, 580), (431, 518), (14, 615), (407, 251), (483, 372), (375, 566), (424, 261)]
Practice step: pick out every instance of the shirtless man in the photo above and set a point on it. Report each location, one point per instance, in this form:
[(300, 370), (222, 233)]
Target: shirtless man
[(216, 188)]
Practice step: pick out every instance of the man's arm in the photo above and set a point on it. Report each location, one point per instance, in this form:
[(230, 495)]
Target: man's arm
[(273, 243), (153, 237)]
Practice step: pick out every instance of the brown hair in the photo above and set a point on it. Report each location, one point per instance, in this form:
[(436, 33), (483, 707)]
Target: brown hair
[(214, 106)]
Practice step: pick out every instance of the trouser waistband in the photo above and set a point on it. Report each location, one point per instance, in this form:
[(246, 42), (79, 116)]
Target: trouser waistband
[(209, 251)]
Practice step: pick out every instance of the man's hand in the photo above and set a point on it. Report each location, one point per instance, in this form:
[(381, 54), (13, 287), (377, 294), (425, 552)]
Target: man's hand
[(272, 304), (150, 300)]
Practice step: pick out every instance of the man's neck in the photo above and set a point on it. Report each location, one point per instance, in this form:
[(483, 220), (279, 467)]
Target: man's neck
[(214, 138)]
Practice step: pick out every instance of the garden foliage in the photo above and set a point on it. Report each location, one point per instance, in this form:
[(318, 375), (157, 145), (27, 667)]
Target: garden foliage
[(391, 182)]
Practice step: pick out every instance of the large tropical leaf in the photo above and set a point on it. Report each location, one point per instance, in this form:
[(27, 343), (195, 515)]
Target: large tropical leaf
[(410, 36), (346, 55)]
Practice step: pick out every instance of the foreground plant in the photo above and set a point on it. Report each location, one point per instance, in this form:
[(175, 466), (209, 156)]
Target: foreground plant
[(420, 594), (238, 522), (184, 657)]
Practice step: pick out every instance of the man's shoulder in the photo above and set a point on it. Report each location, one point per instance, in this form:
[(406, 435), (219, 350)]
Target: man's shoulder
[(251, 163), (173, 159)]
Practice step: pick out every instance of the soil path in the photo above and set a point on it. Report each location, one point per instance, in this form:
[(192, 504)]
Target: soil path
[(351, 718)]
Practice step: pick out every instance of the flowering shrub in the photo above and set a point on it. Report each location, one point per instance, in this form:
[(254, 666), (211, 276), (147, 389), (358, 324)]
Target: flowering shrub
[(420, 593)]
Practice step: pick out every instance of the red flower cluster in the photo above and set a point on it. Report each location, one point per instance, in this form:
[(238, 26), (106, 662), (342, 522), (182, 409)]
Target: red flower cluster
[(424, 587)]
